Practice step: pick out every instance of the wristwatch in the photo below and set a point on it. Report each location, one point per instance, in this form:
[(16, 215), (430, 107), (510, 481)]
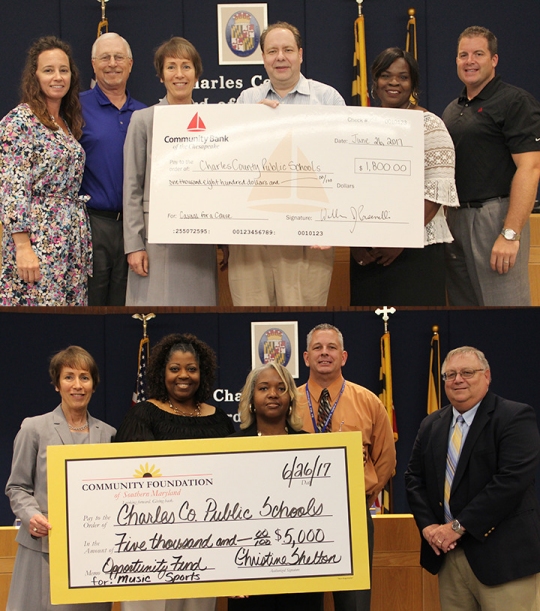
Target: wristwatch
[(510, 234), (456, 527)]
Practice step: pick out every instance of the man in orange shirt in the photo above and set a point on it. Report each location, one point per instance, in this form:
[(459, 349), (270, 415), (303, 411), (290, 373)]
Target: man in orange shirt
[(329, 403)]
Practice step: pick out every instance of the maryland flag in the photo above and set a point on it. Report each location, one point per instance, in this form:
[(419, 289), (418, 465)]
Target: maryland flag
[(384, 502), (385, 379), (139, 394), (360, 94), (434, 382), (410, 44)]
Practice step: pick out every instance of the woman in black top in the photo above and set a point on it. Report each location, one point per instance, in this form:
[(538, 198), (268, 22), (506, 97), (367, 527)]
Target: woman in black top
[(180, 378), (268, 406)]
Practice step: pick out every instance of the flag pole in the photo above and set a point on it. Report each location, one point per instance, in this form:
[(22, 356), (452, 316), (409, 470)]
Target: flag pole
[(360, 81), (386, 496), (139, 394), (410, 44), (434, 382), (144, 318), (104, 23)]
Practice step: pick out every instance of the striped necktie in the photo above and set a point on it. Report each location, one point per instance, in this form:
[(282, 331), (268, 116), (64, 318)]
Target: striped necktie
[(454, 449), (324, 410)]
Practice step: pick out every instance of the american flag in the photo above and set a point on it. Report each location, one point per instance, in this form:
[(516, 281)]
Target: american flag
[(139, 394)]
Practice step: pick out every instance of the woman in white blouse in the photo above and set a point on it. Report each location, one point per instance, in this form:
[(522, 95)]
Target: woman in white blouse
[(409, 276)]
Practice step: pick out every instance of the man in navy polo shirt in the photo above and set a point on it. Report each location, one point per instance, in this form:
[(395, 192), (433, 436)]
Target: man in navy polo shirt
[(496, 132), (107, 110)]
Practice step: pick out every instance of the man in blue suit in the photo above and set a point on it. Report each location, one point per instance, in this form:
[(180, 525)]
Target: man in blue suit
[(470, 486)]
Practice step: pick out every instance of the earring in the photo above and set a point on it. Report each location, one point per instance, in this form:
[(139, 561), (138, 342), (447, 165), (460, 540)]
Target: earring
[(251, 408), (290, 411)]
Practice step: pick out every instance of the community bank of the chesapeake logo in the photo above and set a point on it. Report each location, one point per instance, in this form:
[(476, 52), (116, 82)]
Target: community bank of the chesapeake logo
[(275, 346), (243, 33), (196, 124)]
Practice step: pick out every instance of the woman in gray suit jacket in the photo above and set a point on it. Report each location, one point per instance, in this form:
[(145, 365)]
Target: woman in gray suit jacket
[(163, 274), (75, 376)]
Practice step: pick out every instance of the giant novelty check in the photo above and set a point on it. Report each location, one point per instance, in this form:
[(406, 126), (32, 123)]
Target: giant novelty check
[(297, 175), (207, 517)]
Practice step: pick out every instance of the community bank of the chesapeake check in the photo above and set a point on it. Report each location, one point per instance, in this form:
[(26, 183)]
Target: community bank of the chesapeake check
[(293, 175)]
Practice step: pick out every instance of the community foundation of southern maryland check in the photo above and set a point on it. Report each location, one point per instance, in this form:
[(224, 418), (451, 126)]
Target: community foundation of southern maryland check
[(207, 517), (294, 175)]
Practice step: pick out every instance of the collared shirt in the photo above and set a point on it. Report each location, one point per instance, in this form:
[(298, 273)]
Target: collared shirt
[(358, 409), (500, 121), (306, 91), (103, 138), (468, 418)]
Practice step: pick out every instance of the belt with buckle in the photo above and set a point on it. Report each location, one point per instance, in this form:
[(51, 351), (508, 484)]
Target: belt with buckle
[(108, 214), (479, 202)]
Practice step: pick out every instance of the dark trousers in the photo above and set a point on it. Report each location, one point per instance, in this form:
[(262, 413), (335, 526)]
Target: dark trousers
[(415, 278), (108, 284), (357, 600)]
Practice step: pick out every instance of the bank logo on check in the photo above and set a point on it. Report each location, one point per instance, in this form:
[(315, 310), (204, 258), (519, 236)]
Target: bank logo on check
[(196, 124)]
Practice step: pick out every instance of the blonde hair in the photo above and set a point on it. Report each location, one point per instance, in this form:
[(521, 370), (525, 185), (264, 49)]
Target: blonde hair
[(245, 407)]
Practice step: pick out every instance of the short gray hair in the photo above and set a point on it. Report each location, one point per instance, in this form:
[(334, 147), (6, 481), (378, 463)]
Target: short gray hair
[(466, 350), (325, 326), (108, 36)]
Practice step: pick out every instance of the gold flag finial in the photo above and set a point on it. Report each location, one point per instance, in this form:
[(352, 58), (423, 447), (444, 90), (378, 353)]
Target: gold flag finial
[(144, 318), (411, 12), (104, 23)]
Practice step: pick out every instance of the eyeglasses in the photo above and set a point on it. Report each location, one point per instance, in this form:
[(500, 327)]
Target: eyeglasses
[(466, 374), (118, 58)]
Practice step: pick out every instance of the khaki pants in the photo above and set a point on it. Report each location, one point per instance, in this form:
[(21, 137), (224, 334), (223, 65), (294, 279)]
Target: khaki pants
[(279, 275)]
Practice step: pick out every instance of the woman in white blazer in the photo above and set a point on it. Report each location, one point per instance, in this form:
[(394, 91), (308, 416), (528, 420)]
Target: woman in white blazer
[(75, 376)]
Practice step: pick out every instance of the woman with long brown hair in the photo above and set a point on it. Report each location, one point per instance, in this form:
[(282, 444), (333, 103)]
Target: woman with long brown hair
[(46, 250)]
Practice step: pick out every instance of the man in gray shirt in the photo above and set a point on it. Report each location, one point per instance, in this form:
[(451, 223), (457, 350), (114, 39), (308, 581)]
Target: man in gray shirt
[(282, 275)]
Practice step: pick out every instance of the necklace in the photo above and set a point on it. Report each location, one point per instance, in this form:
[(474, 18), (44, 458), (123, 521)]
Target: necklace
[(260, 433), (78, 428), (178, 411)]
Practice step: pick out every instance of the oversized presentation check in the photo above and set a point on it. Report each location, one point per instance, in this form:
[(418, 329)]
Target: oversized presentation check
[(297, 175), (207, 517)]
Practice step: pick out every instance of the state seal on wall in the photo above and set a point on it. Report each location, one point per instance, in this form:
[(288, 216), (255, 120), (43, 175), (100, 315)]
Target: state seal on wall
[(239, 32), (275, 346), (243, 33)]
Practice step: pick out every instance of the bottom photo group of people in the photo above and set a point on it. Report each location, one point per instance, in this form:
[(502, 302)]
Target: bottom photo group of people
[(470, 480)]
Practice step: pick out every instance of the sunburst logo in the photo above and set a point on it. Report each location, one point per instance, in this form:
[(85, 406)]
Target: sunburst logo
[(147, 471)]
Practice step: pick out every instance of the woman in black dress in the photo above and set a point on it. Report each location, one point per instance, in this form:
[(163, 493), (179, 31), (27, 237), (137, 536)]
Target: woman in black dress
[(180, 378), (268, 406)]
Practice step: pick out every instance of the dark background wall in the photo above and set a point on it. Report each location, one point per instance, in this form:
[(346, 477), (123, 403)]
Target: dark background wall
[(327, 26), (510, 339)]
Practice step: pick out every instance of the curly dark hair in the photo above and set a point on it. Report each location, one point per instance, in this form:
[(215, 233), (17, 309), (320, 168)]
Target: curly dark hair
[(160, 355), (31, 94), (385, 59)]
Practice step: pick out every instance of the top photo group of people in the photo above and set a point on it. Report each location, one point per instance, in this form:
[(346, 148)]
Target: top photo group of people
[(75, 182)]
